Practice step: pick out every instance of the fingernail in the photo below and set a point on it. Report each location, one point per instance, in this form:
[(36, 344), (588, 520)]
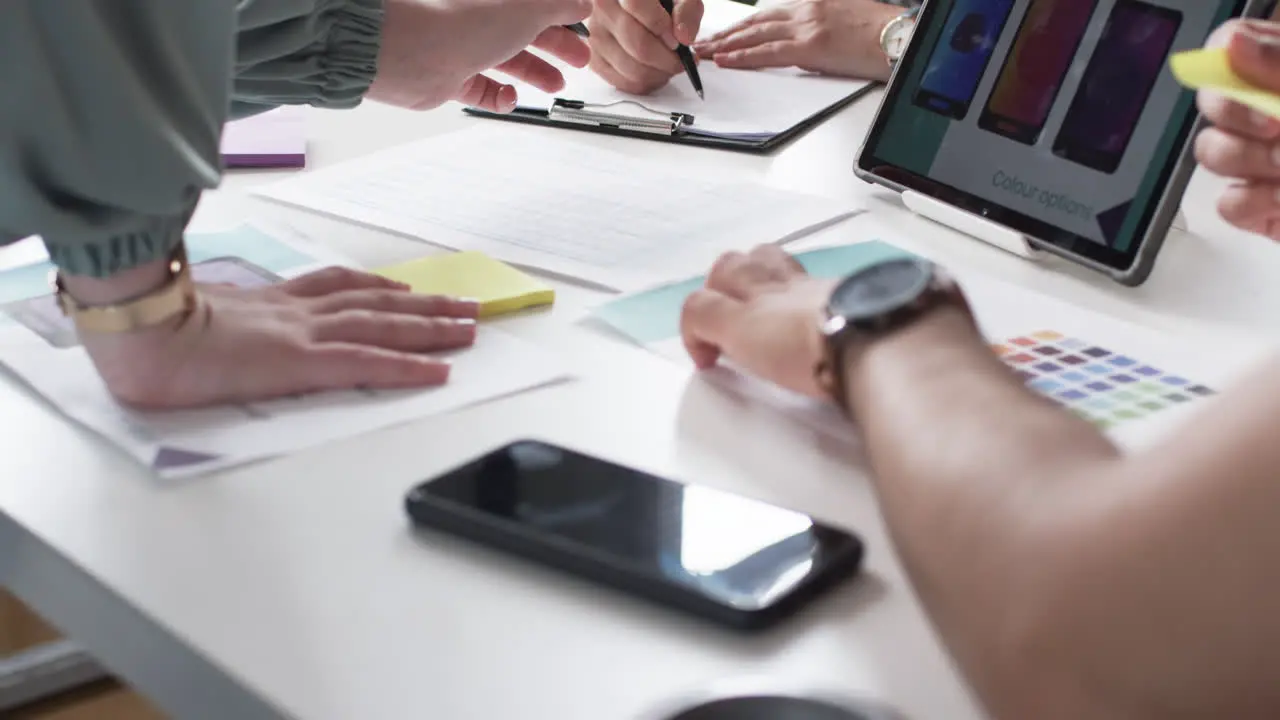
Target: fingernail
[(683, 30), (670, 40), (464, 322)]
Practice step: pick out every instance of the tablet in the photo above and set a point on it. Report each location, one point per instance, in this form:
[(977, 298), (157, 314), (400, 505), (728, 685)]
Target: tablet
[(1058, 119)]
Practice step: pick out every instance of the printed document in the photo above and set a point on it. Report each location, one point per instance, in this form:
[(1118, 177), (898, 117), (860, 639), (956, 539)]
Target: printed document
[(545, 201)]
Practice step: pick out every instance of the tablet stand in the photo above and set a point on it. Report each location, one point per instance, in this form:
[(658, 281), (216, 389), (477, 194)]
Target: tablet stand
[(976, 227)]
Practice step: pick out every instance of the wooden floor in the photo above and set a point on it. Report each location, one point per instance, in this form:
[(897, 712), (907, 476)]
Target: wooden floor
[(21, 629)]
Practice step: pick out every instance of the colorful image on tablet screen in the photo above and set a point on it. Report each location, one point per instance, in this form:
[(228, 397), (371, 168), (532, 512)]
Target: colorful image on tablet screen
[(1032, 75), (1130, 57), (961, 55)]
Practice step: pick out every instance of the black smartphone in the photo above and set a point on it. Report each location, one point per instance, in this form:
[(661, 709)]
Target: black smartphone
[(1131, 55), (1033, 72), (724, 557), (960, 57)]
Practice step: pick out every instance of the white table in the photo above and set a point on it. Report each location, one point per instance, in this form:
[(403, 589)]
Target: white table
[(294, 588)]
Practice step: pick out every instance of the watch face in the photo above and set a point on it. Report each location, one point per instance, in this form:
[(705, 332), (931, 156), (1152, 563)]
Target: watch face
[(897, 38), (881, 289)]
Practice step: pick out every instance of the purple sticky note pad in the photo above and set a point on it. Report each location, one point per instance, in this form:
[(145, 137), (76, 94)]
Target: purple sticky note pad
[(276, 139)]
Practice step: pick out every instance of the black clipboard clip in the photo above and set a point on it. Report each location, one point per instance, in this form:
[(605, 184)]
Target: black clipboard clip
[(653, 121)]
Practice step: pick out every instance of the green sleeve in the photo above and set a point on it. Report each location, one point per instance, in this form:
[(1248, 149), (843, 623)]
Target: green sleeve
[(305, 52), (110, 123)]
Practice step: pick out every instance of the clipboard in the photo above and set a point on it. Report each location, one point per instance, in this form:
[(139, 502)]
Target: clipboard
[(650, 124)]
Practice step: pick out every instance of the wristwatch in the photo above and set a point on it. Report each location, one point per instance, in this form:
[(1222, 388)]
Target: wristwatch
[(176, 297), (896, 35), (873, 303)]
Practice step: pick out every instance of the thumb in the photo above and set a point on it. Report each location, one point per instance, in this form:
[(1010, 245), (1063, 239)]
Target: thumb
[(687, 16), (1254, 52)]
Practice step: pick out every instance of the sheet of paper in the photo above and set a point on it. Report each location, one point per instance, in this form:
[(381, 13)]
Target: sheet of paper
[(741, 103), (545, 200), (270, 140), (189, 443), (1131, 381), (1211, 70)]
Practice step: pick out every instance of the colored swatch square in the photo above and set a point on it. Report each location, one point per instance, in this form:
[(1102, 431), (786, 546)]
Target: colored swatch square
[(1174, 380), (1001, 350), (1048, 350), (1124, 395), (1072, 344), (1072, 360), (1025, 376), (1099, 387), (1096, 352), (1151, 405), (1177, 398), (1047, 335), (1024, 342), (1200, 390), (1048, 367), (1098, 370), (1074, 376), (1020, 358), (1122, 361), (1123, 379), (1072, 396), (1044, 385), (1146, 371)]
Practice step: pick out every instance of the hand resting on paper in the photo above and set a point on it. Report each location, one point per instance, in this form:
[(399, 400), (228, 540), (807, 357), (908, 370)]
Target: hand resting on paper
[(1243, 144), (831, 37), (434, 51), (762, 310), (328, 330)]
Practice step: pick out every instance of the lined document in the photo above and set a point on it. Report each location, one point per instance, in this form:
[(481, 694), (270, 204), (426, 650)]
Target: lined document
[(543, 201)]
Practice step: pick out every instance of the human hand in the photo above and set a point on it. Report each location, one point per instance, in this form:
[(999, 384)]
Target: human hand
[(762, 311), (328, 330), (1244, 144), (832, 37), (434, 51), (633, 41)]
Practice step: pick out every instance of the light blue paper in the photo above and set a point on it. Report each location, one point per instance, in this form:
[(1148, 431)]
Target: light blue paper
[(654, 315)]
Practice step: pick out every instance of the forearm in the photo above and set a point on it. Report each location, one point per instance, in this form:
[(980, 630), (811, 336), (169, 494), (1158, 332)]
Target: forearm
[(305, 52), (966, 462), (112, 125)]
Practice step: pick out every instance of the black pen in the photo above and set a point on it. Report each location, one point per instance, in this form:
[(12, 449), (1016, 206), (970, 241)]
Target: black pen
[(580, 29), (686, 56)]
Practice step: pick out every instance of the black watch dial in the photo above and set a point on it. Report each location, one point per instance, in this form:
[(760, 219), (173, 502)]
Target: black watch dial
[(879, 290)]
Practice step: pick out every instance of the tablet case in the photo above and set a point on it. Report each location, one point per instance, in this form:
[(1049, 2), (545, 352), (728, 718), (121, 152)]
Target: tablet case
[(672, 129)]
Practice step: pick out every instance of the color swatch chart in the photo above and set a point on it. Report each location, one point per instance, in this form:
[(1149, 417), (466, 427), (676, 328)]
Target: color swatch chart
[(1104, 387)]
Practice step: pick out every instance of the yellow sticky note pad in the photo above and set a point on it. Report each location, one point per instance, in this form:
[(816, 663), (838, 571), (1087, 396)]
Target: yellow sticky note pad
[(1211, 70), (499, 287)]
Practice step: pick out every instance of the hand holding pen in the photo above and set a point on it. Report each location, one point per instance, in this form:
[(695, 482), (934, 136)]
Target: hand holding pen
[(638, 46)]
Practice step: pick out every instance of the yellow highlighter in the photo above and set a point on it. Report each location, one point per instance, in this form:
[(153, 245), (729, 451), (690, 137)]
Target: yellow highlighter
[(498, 287), (1211, 70)]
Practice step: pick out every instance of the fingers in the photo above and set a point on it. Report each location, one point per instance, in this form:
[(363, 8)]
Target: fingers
[(564, 44), (778, 53), (534, 70), (630, 44), (342, 366), (742, 277), (401, 303), (336, 279), (749, 36), (706, 322), (688, 20), (624, 72), (1237, 157), (408, 333), (487, 94), (1253, 207), (1254, 51), (1236, 118), (764, 16)]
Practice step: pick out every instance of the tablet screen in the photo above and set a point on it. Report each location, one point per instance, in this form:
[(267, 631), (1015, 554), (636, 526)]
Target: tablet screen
[(1057, 118)]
